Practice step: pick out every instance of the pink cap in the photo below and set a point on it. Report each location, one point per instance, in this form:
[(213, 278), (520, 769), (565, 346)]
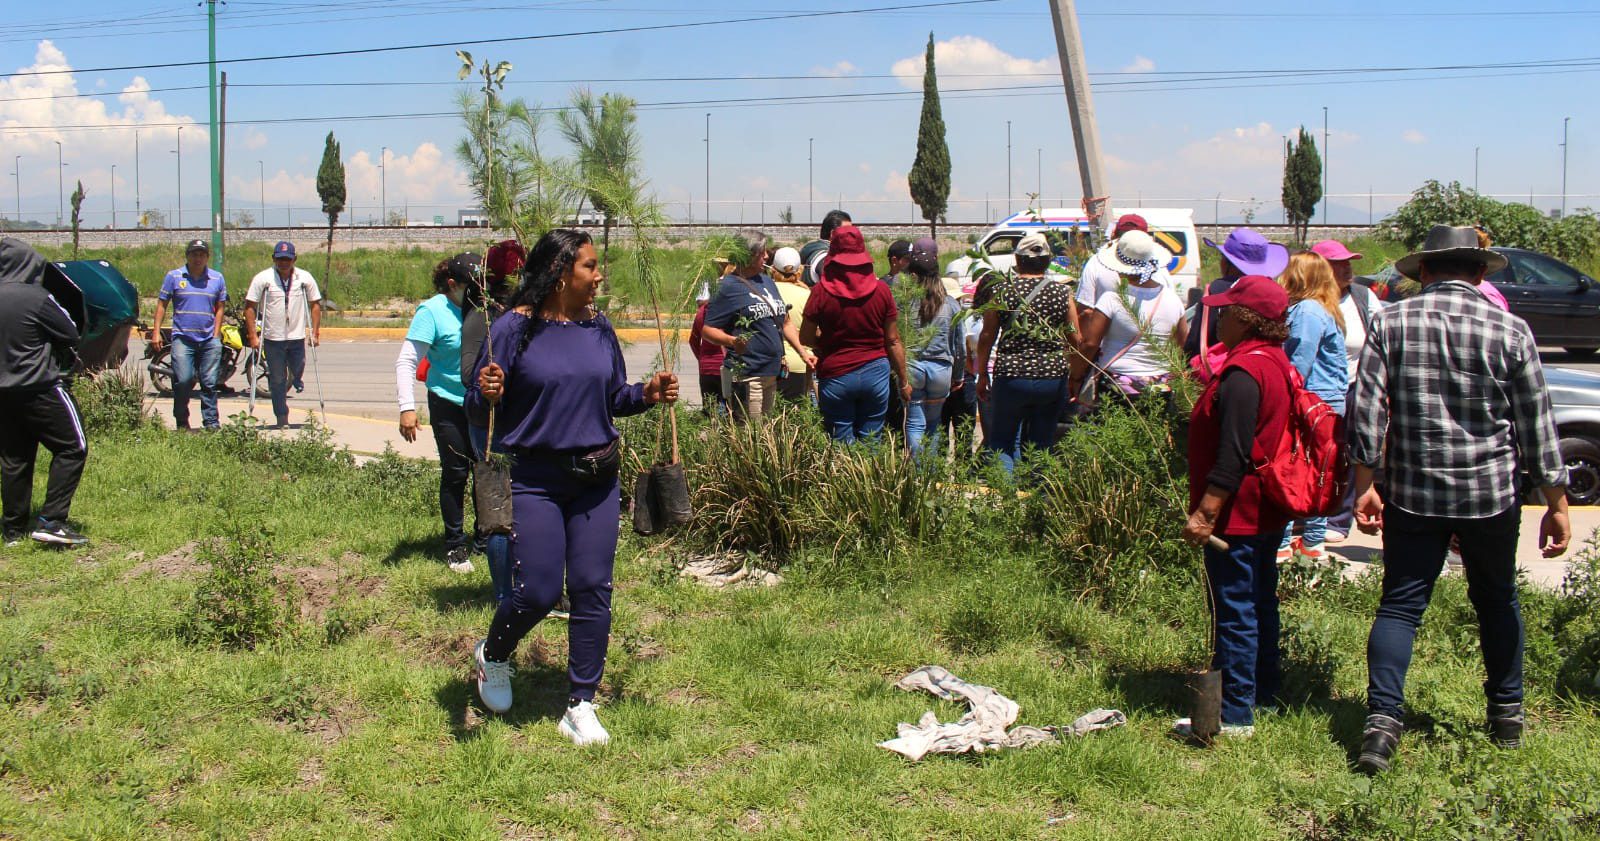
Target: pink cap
[(1333, 250)]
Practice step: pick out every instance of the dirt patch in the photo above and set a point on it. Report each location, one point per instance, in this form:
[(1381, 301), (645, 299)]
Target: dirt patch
[(178, 563), (322, 587), (310, 775), (752, 821)]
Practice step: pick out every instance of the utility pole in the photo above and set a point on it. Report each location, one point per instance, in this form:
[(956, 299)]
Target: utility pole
[(383, 182), (138, 201), (708, 167), (214, 136), (219, 207), (1286, 169), (1564, 121), (1080, 105), (811, 168), (61, 169), (1008, 168), (1324, 164)]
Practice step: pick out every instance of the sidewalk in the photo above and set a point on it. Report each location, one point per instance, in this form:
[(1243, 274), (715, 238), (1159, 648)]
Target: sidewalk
[(366, 437)]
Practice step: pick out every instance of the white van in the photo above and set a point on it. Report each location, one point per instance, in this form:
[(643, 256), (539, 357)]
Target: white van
[(1173, 228)]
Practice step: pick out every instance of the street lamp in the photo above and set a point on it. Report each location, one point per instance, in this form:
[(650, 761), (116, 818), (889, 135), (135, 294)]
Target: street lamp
[(179, 222), (61, 169), (811, 199), (1475, 151), (262, 169), (1008, 168), (1040, 185), (383, 183), (17, 171), (1324, 164), (1564, 121), (708, 168), (113, 197)]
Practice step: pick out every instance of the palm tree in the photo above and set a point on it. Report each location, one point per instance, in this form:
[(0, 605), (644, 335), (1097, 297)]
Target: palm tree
[(602, 130)]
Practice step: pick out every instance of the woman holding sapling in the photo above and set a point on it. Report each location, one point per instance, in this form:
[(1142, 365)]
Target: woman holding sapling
[(1248, 400), (558, 381)]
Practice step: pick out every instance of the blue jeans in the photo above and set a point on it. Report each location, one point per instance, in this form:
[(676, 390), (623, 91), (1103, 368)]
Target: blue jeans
[(195, 360), (1023, 412), (854, 404), (1413, 556), (286, 362), (1313, 531), (930, 385), (497, 547), (1244, 589)]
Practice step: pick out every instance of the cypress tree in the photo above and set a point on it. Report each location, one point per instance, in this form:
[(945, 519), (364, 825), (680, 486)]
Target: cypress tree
[(1302, 182), (930, 172), (330, 186)]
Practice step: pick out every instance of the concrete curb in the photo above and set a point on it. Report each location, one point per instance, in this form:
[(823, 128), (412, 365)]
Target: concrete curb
[(395, 334)]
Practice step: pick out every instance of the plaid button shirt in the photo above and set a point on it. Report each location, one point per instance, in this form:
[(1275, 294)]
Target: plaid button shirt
[(1453, 385)]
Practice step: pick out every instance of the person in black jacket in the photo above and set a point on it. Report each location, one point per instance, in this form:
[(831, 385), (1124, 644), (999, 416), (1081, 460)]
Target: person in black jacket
[(36, 336)]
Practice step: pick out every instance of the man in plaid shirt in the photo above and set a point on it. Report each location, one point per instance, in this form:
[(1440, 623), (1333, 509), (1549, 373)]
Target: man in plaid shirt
[(1450, 385)]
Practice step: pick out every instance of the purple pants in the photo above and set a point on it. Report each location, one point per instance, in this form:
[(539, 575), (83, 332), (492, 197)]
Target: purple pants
[(566, 534)]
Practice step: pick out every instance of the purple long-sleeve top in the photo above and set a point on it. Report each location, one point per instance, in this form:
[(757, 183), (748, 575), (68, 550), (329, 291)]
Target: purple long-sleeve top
[(562, 390)]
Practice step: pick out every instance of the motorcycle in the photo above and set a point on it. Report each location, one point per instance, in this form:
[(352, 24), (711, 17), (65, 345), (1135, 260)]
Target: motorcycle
[(234, 355)]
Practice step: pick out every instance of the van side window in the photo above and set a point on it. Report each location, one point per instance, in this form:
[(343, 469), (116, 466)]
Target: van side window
[(1002, 245)]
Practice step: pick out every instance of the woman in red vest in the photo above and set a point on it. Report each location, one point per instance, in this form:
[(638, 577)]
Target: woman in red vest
[(1241, 413)]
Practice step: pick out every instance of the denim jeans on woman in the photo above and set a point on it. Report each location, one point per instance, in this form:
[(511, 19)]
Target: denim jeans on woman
[(854, 403), (1023, 412), (930, 385), (1244, 588), (192, 361)]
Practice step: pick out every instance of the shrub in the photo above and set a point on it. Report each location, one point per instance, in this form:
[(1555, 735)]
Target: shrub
[(111, 400), (402, 484), (1574, 238), (26, 673), (1574, 623), (309, 453), (239, 604)]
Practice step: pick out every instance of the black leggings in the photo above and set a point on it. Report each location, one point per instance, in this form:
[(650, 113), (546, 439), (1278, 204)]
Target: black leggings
[(450, 434), (31, 418)]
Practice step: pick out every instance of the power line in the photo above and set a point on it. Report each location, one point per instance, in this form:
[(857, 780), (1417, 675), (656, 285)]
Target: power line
[(1005, 91), (511, 38)]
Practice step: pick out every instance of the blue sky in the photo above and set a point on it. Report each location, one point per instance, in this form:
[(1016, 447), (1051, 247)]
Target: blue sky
[(1164, 144)]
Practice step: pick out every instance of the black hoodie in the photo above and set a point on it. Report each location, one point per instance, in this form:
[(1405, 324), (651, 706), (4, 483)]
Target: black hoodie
[(34, 329)]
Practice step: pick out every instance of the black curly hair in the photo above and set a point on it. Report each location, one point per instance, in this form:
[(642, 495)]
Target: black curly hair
[(552, 259)]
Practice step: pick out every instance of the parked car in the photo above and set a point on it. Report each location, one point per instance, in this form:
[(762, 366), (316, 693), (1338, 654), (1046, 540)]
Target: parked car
[(1575, 396), (1560, 303), (1172, 228)]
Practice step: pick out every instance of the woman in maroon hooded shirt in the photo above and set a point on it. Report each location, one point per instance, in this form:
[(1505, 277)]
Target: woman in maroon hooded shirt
[(1240, 416), (850, 321)]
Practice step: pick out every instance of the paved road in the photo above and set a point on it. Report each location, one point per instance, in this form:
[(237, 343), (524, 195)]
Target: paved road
[(358, 379)]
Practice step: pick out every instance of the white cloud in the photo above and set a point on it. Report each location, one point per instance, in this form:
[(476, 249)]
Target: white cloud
[(254, 140), (969, 55), (1411, 135), (836, 70), (864, 167), (52, 101), (1140, 64)]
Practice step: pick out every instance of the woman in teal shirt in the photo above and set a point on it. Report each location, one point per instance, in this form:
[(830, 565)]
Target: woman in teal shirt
[(435, 335)]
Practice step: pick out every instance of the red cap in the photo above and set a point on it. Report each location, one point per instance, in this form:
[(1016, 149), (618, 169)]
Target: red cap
[(1258, 293), (505, 258), (847, 248), (1130, 222)]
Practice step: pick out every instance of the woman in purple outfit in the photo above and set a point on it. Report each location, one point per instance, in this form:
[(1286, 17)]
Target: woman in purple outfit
[(561, 384)]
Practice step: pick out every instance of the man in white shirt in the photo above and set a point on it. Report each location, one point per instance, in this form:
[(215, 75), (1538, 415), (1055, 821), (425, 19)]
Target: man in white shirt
[(1359, 306), (286, 297)]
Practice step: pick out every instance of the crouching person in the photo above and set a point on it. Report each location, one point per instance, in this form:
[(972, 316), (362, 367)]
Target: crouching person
[(1247, 401)]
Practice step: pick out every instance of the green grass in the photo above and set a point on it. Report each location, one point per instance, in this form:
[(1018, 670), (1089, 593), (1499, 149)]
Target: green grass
[(731, 712)]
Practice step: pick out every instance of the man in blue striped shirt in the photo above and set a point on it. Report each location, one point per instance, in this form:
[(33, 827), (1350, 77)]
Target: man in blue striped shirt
[(197, 293)]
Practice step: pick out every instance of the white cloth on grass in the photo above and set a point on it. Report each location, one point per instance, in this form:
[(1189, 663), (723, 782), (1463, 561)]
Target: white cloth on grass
[(983, 728)]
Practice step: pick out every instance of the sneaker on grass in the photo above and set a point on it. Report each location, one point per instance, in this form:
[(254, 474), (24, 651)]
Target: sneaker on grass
[(582, 726), (494, 681), (13, 539), (459, 559), (57, 533), (1183, 728)]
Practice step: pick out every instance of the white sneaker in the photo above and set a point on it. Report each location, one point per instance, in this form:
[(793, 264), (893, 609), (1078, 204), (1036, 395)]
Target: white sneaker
[(459, 560), (494, 681), (1183, 728), (582, 726)]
